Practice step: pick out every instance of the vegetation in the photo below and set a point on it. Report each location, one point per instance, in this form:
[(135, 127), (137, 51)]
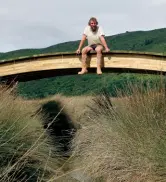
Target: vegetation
[(27, 150), (126, 140), (151, 41), (89, 84), (119, 139)]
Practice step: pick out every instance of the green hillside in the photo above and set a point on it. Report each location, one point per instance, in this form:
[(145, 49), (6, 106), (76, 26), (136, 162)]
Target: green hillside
[(149, 41), (152, 41), (88, 84)]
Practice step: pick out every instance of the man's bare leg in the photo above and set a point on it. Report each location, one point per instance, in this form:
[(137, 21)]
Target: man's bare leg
[(85, 50), (98, 50)]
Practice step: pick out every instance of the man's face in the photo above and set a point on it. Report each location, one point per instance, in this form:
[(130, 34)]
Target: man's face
[(93, 26)]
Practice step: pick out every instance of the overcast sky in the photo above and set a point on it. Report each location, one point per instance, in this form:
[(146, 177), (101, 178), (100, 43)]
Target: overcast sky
[(42, 23)]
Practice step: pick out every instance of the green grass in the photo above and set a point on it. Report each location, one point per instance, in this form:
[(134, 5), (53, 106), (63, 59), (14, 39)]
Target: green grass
[(88, 84)]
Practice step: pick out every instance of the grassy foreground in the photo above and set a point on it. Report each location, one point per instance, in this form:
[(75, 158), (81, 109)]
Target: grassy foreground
[(120, 139), (26, 153), (124, 140)]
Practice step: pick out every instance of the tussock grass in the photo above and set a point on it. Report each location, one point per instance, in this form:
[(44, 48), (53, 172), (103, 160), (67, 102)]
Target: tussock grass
[(126, 140), (25, 153), (121, 139)]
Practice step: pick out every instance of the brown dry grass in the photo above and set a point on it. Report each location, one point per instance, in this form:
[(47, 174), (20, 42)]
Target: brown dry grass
[(122, 141), (126, 141), (24, 145)]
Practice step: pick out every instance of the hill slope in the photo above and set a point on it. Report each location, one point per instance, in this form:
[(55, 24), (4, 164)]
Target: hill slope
[(152, 41)]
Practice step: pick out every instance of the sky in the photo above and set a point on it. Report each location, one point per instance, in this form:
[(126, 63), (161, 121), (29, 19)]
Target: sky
[(42, 23)]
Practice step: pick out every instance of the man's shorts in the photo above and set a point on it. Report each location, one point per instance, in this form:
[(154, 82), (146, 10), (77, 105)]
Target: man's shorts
[(93, 46)]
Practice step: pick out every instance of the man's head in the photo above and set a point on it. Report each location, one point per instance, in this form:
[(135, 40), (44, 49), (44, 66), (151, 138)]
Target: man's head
[(93, 23)]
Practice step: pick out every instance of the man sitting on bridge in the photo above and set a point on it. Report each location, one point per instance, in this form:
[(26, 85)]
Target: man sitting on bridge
[(96, 41)]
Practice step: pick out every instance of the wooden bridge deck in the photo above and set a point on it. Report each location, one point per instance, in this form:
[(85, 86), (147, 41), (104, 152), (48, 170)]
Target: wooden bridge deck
[(115, 59)]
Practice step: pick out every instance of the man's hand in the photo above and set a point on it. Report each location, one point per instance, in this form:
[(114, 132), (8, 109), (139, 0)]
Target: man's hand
[(78, 51), (107, 49)]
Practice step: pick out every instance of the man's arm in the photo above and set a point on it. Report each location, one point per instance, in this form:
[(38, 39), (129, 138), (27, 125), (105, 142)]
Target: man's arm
[(81, 44), (104, 43)]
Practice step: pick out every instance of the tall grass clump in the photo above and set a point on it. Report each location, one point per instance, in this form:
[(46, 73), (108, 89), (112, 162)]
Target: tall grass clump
[(25, 154), (125, 140)]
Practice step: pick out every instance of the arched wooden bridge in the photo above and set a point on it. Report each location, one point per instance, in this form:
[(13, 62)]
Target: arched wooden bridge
[(45, 65)]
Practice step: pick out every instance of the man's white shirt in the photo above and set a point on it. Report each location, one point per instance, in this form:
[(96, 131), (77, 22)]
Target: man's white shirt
[(93, 37)]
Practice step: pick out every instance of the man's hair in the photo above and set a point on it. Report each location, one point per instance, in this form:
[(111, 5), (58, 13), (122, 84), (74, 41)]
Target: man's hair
[(93, 19)]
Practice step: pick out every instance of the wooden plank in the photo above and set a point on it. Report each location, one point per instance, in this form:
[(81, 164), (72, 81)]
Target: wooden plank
[(128, 60)]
